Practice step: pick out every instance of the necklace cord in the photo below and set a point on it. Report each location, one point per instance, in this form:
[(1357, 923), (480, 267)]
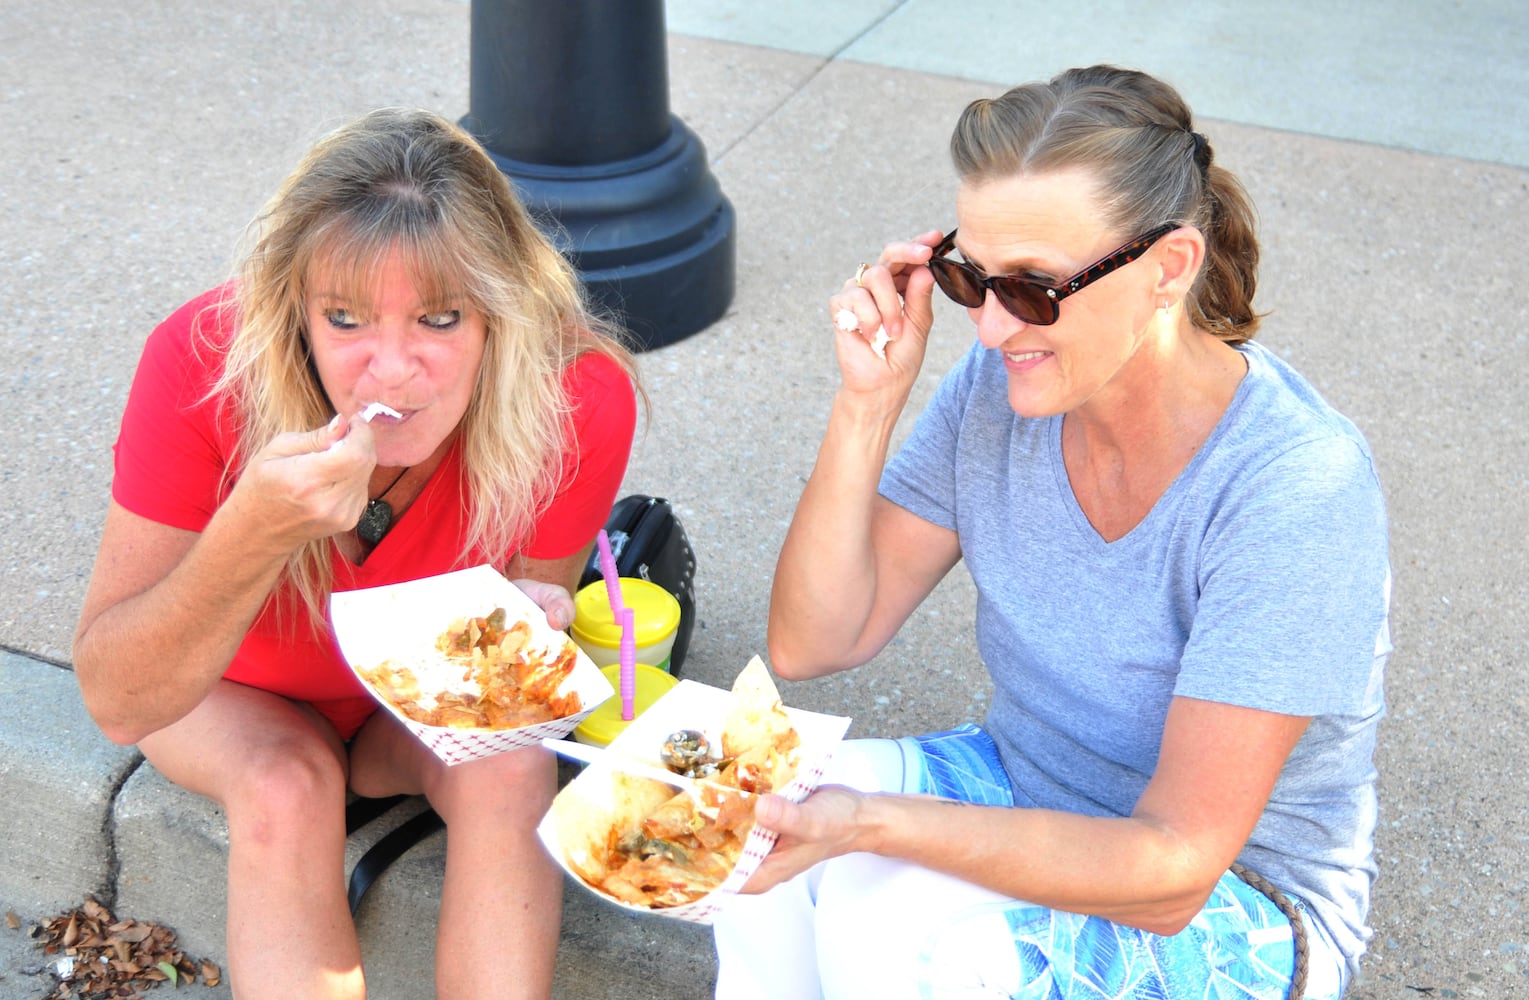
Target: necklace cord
[(394, 483)]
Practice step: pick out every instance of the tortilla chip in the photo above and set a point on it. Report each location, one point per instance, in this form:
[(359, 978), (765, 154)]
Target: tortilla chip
[(758, 733), (517, 685)]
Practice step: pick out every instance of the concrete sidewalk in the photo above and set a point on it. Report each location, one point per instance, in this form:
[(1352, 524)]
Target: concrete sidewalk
[(1385, 152)]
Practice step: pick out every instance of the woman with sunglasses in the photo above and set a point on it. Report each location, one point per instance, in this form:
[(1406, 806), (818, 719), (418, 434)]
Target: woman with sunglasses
[(1180, 557)]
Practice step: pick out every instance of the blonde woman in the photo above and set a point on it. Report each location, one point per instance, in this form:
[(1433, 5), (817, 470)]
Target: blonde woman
[(1180, 558), (395, 267)]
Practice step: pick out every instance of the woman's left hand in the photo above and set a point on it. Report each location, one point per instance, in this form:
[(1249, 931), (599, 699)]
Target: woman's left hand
[(551, 598), (829, 823)]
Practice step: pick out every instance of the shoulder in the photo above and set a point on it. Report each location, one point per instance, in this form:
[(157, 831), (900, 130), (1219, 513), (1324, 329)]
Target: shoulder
[(1282, 429), (1288, 406), (601, 396), (194, 336), (210, 316), (175, 441), (596, 374)]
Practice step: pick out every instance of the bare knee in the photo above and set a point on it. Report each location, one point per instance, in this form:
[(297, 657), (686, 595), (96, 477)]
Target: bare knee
[(506, 789), (286, 790)]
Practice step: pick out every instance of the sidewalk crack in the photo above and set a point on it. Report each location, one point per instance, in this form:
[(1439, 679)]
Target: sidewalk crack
[(829, 60), (111, 887)]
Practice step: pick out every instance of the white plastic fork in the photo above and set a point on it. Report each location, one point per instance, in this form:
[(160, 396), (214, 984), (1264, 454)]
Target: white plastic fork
[(375, 409)]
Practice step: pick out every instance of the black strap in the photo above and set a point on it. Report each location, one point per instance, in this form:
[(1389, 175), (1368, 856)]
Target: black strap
[(389, 848), (362, 811)]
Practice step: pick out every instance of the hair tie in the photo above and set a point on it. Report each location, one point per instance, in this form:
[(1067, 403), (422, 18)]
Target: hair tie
[(1199, 149)]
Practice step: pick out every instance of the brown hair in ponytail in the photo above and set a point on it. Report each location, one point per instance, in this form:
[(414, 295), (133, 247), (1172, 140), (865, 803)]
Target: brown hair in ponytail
[(1135, 133)]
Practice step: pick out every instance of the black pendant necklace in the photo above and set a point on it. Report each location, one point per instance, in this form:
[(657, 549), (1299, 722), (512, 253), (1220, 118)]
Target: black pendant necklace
[(377, 519)]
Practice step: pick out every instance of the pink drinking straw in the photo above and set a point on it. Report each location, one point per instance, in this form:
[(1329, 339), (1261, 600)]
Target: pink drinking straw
[(628, 663), (612, 578)]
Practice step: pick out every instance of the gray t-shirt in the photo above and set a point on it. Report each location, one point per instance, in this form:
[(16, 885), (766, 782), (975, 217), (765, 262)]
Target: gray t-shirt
[(1260, 579)]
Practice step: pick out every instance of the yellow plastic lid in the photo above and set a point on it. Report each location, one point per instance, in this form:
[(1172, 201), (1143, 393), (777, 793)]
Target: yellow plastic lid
[(605, 723), (655, 614)]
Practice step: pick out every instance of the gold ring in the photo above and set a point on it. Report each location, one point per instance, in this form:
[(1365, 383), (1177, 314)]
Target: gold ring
[(860, 273)]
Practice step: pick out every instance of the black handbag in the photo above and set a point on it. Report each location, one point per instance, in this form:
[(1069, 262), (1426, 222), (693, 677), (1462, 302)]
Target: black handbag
[(649, 543)]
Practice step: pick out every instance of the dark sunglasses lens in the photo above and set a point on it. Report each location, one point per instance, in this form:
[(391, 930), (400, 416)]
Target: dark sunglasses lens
[(1025, 300), (957, 282)]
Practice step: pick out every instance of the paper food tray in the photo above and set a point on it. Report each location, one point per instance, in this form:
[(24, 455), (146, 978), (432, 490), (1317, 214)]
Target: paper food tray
[(402, 621), (691, 705)]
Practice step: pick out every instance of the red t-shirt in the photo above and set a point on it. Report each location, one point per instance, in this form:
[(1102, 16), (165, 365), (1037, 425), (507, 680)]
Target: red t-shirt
[(173, 451)]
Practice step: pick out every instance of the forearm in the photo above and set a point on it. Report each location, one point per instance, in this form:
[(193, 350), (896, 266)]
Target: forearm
[(146, 660), (825, 579), (1129, 870)]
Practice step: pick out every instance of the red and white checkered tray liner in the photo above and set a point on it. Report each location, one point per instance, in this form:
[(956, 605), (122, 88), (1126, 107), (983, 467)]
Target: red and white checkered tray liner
[(402, 622), (692, 705)]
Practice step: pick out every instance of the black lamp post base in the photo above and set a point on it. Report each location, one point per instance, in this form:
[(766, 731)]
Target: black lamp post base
[(652, 236), (571, 99)]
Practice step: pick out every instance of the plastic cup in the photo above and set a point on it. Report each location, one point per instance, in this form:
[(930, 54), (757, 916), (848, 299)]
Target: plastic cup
[(605, 723), (655, 613)]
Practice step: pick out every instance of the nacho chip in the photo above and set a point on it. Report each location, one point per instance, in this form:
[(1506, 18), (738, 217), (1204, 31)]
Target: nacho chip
[(512, 685), (757, 735)]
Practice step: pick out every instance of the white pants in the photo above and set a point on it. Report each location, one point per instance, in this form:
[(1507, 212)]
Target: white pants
[(844, 929), (849, 928)]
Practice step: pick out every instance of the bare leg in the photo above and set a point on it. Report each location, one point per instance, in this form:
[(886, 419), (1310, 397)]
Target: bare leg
[(278, 771), (502, 900)]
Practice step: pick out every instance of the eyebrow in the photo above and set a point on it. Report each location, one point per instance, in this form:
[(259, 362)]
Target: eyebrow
[(454, 302)]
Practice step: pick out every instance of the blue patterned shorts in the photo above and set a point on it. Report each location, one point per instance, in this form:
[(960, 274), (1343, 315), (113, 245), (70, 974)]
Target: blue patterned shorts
[(1239, 946)]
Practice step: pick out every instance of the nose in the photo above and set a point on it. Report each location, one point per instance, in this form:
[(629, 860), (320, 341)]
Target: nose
[(995, 324), (392, 361)]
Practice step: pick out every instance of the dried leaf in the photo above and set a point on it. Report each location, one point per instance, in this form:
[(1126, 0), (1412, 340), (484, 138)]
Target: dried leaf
[(116, 959), (132, 931), (12, 921)]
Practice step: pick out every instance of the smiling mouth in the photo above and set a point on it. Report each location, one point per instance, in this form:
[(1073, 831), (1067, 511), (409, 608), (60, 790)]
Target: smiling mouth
[(1026, 356)]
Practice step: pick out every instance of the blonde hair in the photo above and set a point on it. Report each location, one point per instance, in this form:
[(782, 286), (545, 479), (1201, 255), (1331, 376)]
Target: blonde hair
[(412, 181), (1135, 134)]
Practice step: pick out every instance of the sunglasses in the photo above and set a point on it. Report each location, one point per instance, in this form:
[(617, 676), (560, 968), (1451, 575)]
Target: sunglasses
[(1029, 300)]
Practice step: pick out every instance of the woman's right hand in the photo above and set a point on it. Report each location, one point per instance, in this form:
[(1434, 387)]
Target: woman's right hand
[(893, 295), (306, 485)]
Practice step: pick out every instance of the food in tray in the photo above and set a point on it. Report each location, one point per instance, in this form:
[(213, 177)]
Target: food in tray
[(646, 845), (641, 841), (505, 683)]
